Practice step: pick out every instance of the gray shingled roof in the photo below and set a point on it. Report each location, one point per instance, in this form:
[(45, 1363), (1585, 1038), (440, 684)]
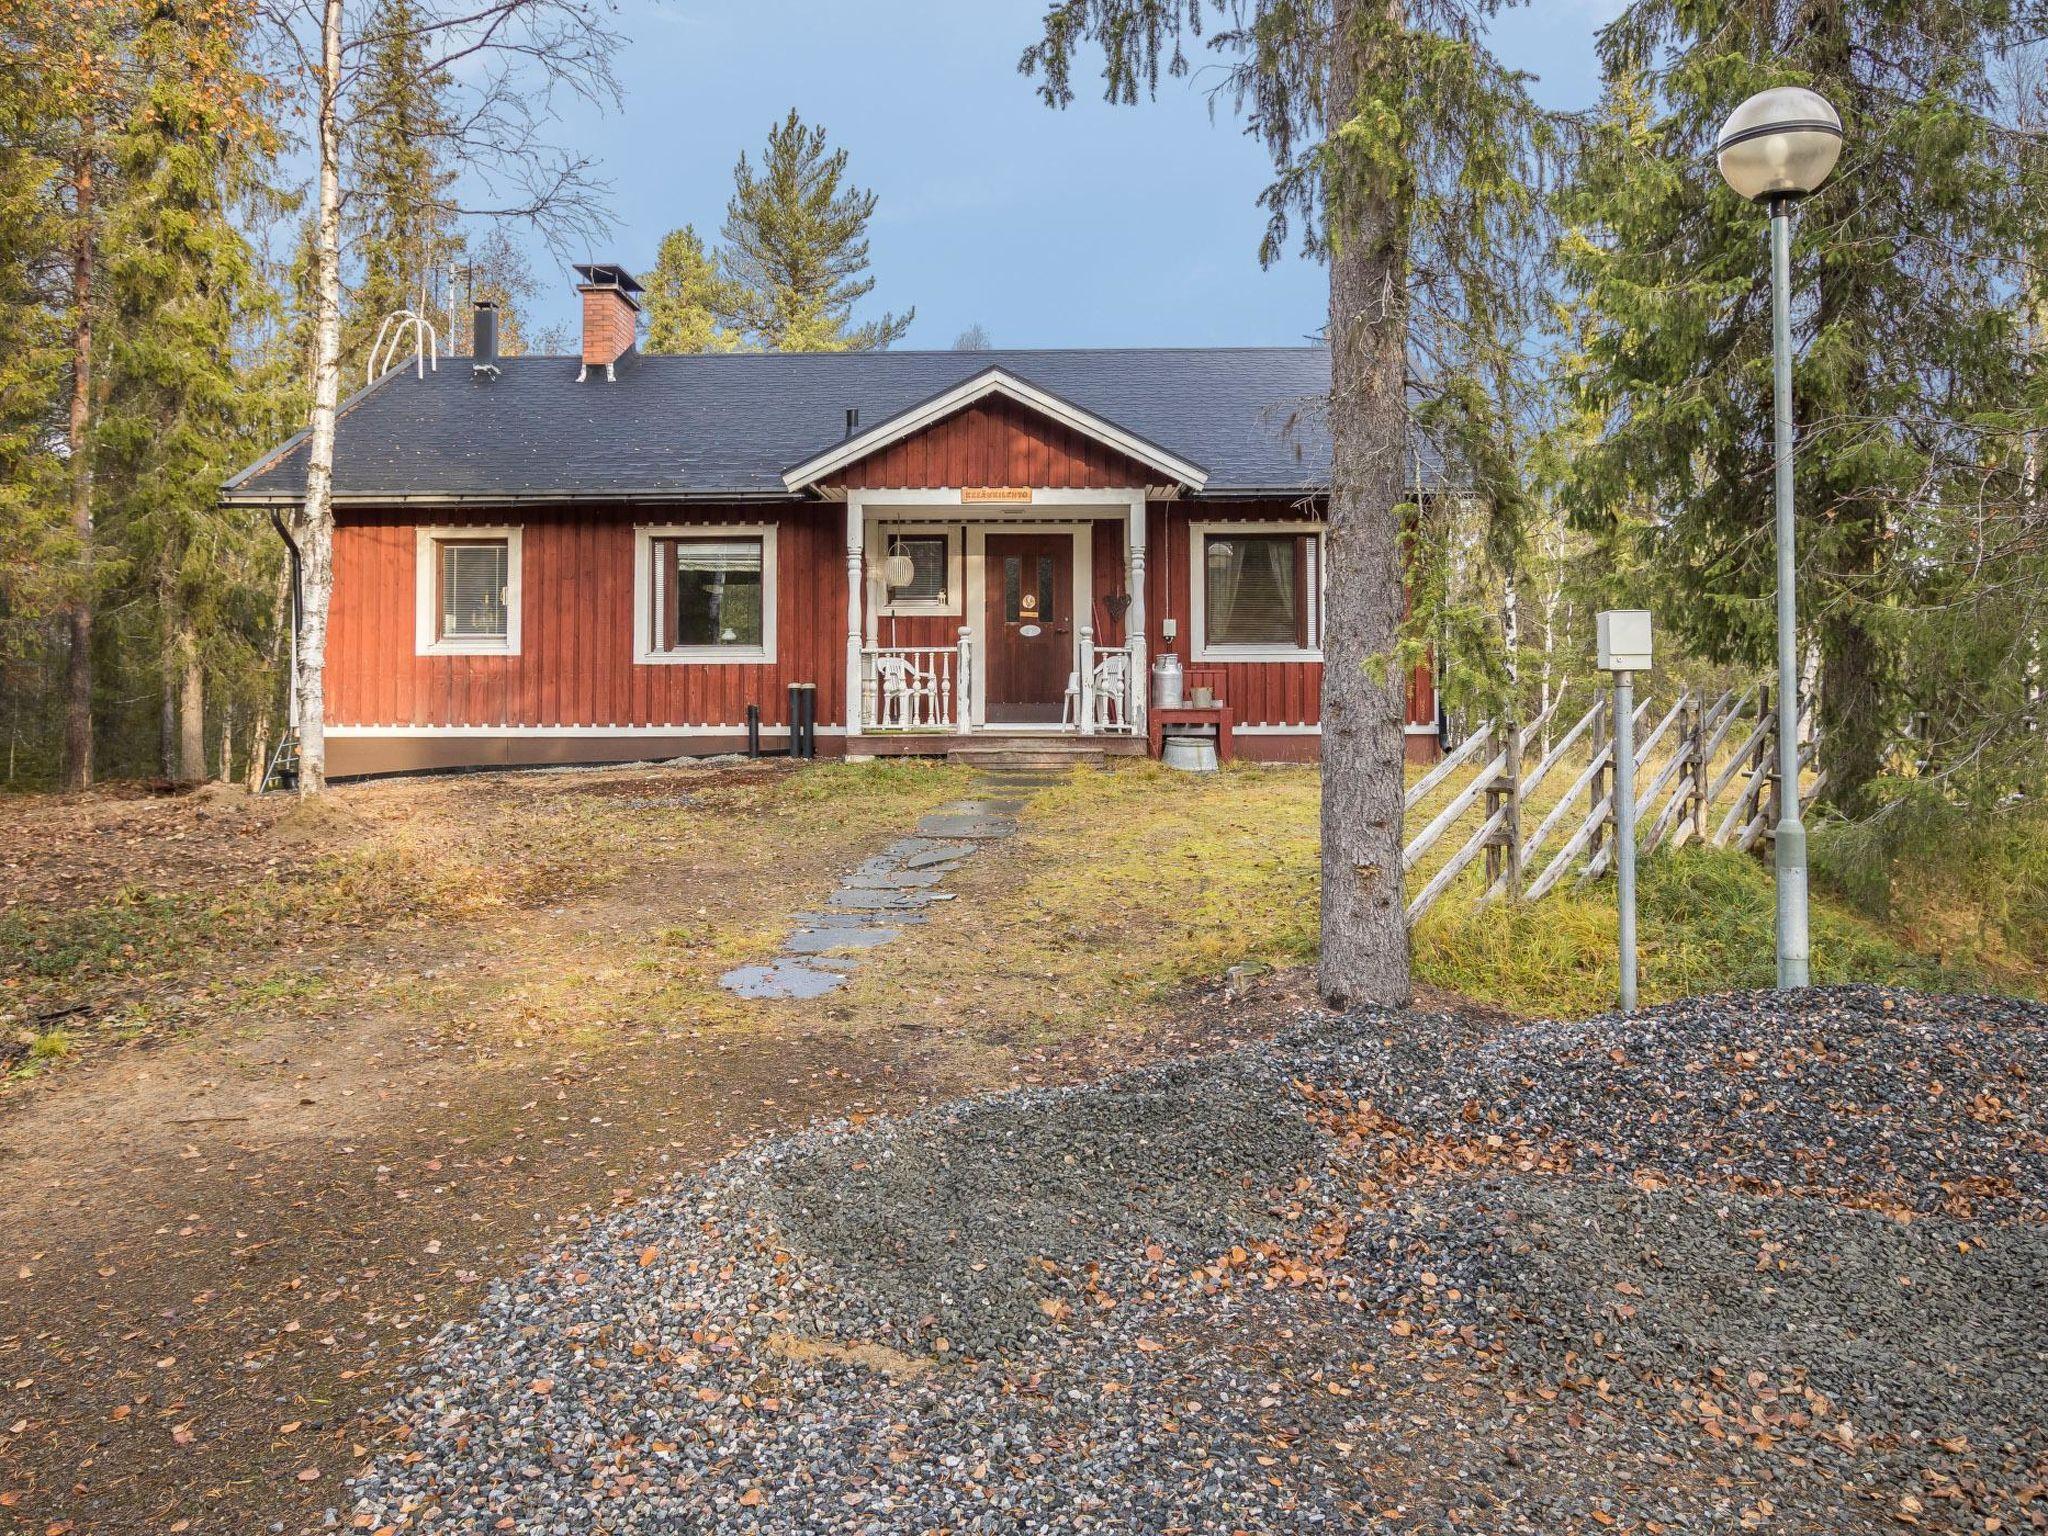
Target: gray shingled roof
[(729, 425)]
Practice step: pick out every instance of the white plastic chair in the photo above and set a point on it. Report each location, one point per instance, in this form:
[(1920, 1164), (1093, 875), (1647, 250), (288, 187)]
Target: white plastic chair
[(1112, 690), (908, 693)]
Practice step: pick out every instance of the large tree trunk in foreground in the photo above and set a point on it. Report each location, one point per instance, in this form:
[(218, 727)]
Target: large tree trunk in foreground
[(78, 441), (1364, 928), (313, 528)]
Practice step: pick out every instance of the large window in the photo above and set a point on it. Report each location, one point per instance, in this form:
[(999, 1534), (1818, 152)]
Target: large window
[(468, 593), (1257, 592), (706, 594), (928, 560)]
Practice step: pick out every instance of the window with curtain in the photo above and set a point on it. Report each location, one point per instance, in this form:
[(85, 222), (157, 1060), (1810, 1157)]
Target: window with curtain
[(1261, 591), (708, 593), (475, 577)]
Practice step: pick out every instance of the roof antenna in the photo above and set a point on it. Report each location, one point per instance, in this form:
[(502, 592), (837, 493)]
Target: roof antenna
[(391, 335)]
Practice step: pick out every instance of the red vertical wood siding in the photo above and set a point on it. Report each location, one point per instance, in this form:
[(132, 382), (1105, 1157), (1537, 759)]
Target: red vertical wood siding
[(575, 665), (995, 441)]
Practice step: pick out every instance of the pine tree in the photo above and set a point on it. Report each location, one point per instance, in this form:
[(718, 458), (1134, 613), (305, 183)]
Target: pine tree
[(405, 235), (796, 250), (683, 298), (1410, 157), (1912, 376)]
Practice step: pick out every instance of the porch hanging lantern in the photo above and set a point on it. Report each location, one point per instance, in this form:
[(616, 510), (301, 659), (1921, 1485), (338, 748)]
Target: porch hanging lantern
[(897, 567)]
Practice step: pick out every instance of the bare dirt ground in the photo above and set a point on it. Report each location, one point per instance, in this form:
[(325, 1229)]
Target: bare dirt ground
[(288, 1086)]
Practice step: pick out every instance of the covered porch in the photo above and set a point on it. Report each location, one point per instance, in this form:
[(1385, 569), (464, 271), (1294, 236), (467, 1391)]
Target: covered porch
[(995, 614)]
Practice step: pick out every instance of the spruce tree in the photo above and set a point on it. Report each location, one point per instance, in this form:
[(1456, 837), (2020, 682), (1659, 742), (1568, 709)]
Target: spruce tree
[(1410, 157), (682, 298), (32, 376), (796, 250), (1912, 374), (175, 420)]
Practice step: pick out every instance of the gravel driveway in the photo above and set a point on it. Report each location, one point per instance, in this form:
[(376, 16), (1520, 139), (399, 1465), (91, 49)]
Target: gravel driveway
[(1746, 1262)]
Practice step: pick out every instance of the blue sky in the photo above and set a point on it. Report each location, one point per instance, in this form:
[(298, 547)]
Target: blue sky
[(1096, 226)]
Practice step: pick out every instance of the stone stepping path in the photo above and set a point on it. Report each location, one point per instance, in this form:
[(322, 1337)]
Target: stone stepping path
[(888, 893)]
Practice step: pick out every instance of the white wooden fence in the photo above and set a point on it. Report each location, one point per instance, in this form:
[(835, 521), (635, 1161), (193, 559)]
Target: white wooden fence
[(1694, 785)]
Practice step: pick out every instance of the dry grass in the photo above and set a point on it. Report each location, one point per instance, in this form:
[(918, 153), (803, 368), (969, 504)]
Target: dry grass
[(1119, 886), (365, 890)]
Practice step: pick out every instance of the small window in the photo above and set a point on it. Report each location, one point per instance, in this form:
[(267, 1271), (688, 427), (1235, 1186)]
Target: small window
[(1261, 592), (707, 594), (928, 560), (473, 589), (468, 597)]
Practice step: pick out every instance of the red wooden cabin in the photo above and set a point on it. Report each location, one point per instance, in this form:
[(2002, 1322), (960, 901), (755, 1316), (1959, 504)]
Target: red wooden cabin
[(547, 559)]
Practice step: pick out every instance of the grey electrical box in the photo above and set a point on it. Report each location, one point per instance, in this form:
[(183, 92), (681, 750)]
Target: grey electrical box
[(1624, 635)]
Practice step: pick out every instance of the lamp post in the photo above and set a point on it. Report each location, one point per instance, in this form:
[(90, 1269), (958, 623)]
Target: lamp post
[(1775, 148)]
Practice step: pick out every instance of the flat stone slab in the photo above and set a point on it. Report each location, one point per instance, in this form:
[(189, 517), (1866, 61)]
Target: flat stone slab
[(891, 878), (972, 825), (869, 899), (783, 978), (853, 920), (928, 853), (818, 941)]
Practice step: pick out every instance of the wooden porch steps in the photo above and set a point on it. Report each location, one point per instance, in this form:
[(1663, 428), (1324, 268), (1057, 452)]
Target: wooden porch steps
[(985, 750)]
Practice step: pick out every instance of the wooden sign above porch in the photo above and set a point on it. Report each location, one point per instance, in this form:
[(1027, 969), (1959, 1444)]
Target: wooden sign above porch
[(996, 493)]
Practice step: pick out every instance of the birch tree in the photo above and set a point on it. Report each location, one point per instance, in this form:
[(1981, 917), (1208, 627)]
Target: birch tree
[(505, 62), (1410, 159)]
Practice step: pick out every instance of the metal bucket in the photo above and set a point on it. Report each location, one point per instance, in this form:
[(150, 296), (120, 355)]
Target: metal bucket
[(1190, 754)]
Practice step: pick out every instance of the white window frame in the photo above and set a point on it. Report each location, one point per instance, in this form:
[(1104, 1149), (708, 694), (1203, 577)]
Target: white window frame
[(956, 596), (1199, 535), (427, 639), (644, 651)]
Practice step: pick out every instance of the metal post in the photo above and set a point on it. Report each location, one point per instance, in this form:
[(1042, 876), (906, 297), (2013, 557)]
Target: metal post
[(1794, 946), (1625, 829), (1511, 824)]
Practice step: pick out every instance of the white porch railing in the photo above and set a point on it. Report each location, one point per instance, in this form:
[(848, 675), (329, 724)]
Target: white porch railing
[(915, 687)]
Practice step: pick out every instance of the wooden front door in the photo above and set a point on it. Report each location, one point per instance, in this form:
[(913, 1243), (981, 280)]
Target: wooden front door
[(1029, 621)]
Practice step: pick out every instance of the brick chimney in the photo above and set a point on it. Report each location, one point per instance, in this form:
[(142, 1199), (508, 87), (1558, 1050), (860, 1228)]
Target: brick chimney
[(611, 315)]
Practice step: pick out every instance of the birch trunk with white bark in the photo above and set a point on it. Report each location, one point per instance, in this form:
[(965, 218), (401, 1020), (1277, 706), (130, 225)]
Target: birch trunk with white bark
[(313, 527)]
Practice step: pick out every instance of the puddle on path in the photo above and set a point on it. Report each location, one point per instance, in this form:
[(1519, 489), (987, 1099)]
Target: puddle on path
[(888, 893)]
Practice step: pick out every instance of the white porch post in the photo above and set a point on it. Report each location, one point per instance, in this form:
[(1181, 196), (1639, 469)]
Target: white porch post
[(1085, 677), (963, 686), (1134, 616), (855, 581)]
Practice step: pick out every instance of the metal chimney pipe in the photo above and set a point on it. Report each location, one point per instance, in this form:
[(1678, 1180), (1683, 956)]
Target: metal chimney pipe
[(484, 343), (852, 420)]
